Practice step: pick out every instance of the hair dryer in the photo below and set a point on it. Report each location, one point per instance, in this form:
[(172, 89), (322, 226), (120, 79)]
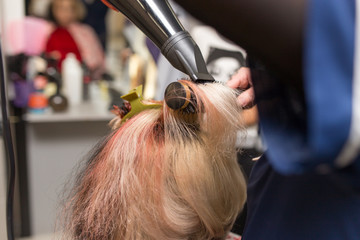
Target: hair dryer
[(157, 20)]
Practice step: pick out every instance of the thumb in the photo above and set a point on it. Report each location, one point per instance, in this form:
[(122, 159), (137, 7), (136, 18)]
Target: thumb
[(241, 79)]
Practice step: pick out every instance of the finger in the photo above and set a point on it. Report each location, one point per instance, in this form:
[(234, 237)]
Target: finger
[(246, 99), (241, 79)]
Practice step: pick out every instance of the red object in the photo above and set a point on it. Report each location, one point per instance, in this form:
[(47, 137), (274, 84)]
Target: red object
[(109, 5), (62, 42), (37, 101)]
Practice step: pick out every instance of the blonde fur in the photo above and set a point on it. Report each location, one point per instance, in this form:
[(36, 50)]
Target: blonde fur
[(163, 175)]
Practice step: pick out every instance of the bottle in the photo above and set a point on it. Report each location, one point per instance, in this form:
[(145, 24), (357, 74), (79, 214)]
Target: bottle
[(58, 102), (38, 101), (72, 79)]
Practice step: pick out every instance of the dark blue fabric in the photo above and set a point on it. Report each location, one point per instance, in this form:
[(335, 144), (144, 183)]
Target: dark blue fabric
[(291, 195), (329, 63), (302, 207), (283, 115), (298, 145)]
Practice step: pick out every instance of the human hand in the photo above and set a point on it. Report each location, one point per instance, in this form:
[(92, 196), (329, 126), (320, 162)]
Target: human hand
[(242, 81)]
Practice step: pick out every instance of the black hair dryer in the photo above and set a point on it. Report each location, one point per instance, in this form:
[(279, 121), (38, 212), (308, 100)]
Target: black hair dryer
[(156, 19)]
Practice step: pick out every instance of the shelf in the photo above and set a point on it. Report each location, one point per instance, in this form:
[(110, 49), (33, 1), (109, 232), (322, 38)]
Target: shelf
[(87, 111)]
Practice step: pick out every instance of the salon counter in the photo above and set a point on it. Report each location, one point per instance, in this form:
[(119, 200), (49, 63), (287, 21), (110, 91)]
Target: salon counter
[(55, 145)]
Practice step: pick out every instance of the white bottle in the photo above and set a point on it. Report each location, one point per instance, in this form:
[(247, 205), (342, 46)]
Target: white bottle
[(72, 79)]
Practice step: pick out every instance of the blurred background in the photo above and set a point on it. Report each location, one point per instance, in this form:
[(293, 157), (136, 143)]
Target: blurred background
[(68, 62)]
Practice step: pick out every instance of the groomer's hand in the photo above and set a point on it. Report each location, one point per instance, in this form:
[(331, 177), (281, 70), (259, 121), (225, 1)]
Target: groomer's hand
[(242, 81)]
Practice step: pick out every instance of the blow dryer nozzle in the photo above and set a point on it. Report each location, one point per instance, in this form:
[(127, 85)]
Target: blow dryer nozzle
[(183, 53)]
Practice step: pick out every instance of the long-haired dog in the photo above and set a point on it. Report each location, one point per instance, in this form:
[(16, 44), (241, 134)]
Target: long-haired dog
[(163, 174)]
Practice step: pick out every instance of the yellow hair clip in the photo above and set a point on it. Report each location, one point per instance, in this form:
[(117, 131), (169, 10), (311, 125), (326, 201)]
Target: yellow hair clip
[(135, 98)]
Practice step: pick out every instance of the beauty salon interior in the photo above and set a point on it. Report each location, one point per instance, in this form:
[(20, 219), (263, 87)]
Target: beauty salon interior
[(68, 62), (136, 120)]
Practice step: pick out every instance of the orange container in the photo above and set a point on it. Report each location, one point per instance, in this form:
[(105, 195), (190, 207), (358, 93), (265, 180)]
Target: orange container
[(37, 101)]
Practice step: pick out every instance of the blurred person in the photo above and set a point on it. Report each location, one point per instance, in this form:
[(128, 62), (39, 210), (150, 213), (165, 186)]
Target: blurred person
[(307, 86), (70, 36)]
